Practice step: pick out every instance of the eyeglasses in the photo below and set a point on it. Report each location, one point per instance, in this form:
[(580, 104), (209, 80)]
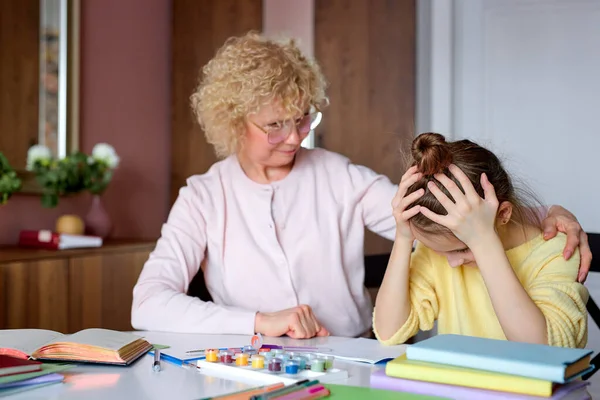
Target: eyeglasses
[(279, 131)]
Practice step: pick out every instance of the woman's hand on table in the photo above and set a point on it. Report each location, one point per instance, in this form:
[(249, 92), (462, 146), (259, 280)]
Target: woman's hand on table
[(297, 322)]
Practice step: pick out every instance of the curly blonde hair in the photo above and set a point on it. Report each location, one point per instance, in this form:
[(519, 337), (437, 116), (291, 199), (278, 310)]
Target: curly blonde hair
[(247, 73)]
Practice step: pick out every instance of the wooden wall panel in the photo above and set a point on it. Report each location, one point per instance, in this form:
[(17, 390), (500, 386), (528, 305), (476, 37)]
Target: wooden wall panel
[(70, 290), (34, 294), (200, 27), (85, 298), (19, 78), (101, 290), (366, 49)]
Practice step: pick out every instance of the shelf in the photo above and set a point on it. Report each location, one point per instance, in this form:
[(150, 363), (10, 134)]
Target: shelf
[(10, 254)]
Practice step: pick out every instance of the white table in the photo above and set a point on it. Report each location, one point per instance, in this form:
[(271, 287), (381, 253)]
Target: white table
[(138, 381)]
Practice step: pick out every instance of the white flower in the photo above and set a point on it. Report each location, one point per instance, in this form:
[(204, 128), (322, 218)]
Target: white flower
[(105, 152), (37, 152)]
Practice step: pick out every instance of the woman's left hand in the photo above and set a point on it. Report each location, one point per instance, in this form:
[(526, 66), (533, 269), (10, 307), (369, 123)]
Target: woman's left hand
[(470, 217), (561, 220)]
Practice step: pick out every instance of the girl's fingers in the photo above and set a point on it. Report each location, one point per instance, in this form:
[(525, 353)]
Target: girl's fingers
[(452, 188), (442, 198), (397, 199), (411, 212), (439, 219), (489, 192), (411, 198), (407, 181), (465, 182), (409, 172)]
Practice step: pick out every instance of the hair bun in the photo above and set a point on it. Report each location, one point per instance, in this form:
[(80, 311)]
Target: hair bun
[(431, 153)]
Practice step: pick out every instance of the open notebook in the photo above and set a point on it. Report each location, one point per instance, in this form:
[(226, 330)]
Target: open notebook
[(364, 350), (90, 345)]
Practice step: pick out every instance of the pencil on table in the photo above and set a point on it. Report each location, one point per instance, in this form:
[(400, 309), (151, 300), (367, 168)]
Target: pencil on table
[(246, 394), (307, 393)]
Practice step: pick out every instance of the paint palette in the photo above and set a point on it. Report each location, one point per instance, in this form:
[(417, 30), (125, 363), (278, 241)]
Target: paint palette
[(271, 365)]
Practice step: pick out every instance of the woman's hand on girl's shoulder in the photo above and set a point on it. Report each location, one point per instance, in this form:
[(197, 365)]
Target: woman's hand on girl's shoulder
[(561, 220)]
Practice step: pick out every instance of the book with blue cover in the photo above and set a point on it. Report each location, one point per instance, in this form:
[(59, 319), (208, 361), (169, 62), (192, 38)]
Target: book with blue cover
[(550, 363)]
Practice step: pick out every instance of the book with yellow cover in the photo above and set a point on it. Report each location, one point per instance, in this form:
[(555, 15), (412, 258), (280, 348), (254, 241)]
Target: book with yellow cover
[(401, 367), (89, 345)]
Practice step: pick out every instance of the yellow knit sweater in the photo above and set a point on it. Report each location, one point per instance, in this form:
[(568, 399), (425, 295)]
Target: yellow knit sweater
[(458, 298)]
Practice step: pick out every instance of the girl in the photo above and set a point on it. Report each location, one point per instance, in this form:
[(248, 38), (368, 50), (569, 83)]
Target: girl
[(480, 266)]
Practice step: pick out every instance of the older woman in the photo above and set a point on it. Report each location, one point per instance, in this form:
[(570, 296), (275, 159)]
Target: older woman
[(276, 229)]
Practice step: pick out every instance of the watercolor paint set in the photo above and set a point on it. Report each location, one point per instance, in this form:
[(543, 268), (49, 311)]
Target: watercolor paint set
[(271, 365)]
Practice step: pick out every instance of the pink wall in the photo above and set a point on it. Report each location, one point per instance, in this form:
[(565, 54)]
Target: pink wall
[(291, 18), (125, 101)]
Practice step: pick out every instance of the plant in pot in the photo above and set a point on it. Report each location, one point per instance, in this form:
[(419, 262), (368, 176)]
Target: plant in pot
[(57, 177), (9, 181), (100, 168)]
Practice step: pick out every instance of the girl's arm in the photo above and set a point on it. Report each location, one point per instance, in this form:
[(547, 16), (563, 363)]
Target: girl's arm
[(551, 304), (393, 303), (407, 300), (520, 318), (394, 318), (551, 284)]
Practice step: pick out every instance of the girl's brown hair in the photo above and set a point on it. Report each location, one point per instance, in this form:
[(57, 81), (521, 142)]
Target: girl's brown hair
[(432, 154)]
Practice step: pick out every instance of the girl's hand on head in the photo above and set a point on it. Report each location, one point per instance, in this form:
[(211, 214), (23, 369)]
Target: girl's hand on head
[(401, 201), (469, 217)]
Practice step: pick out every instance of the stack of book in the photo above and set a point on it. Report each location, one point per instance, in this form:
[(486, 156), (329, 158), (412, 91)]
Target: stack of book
[(466, 367), (45, 239), (17, 374)]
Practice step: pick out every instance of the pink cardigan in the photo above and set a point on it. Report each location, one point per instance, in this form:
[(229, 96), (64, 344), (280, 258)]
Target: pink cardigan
[(267, 247)]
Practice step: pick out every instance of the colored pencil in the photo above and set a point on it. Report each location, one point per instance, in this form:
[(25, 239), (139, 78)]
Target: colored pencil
[(246, 394), (286, 389), (311, 392)]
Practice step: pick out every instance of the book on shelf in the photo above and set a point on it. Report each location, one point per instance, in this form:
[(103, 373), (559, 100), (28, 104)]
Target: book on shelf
[(538, 361), (87, 346), (45, 239)]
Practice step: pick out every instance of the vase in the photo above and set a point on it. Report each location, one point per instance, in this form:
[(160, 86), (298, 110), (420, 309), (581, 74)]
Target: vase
[(97, 221)]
